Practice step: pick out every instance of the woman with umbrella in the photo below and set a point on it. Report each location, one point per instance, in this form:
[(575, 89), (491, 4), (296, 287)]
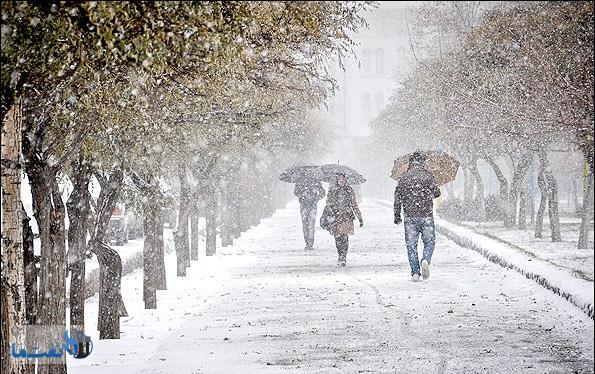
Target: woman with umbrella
[(340, 211)]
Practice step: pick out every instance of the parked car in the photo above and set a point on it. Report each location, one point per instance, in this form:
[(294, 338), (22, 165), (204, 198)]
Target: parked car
[(135, 226), (118, 230), (171, 217)]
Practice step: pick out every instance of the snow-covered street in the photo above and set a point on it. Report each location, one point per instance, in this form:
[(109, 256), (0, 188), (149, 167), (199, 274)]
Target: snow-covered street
[(162, 162), (266, 305)]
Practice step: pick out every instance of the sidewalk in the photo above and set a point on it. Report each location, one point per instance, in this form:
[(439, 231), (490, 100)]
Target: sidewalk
[(543, 267), (264, 305)]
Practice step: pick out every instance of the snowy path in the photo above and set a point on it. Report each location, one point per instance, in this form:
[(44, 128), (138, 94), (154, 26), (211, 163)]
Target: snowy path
[(266, 305)]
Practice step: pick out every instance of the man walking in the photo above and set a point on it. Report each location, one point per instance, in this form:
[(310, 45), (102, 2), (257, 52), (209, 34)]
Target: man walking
[(414, 193), (308, 194)]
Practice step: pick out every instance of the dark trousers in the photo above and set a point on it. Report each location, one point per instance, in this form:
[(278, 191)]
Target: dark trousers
[(308, 212), (342, 243)]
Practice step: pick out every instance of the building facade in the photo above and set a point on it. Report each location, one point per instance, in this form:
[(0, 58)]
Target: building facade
[(368, 80)]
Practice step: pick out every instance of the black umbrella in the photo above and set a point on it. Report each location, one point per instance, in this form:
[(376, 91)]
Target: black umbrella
[(330, 172), (306, 174)]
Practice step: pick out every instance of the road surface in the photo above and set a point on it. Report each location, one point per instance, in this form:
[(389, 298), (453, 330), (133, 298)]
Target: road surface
[(267, 306)]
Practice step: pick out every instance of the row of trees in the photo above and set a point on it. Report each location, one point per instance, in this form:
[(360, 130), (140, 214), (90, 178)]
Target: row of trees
[(513, 81), (132, 95)]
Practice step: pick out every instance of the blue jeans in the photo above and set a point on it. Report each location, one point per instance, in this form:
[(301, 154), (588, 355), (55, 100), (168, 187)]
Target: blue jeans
[(308, 212), (414, 226)]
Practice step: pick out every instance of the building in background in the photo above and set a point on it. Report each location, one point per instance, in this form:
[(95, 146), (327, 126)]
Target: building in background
[(365, 85), (383, 58)]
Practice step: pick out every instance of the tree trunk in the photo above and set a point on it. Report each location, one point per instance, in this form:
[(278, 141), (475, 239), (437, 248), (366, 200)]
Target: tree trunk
[(30, 262), (574, 195), (226, 215), (6, 306), (523, 210), (149, 260), (234, 209), (467, 185), (31, 289), (160, 280), (78, 214), (531, 203), (194, 233), (153, 258), (181, 238), (541, 182), (111, 305), (551, 191), (553, 207), (244, 213), (110, 297), (49, 212), (503, 190), (588, 151), (211, 221), (13, 295), (480, 190), (517, 180), (77, 281), (171, 219), (181, 242), (586, 213)]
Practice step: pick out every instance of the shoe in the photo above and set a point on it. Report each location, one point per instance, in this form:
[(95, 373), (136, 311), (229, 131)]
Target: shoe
[(342, 262), (415, 278), (425, 269), (308, 248)]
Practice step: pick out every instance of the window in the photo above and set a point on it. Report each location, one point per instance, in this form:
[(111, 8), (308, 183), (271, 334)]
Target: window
[(366, 107), (378, 102), (380, 61), (366, 61)]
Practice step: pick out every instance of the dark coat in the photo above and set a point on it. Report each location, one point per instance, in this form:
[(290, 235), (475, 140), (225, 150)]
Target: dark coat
[(340, 211), (416, 189), (309, 194)]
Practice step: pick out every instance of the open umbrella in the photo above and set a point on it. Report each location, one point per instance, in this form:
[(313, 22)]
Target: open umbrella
[(330, 171), (302, 174), (443, 166)]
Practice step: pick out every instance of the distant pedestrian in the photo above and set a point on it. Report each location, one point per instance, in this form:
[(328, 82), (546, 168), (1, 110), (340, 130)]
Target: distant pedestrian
[(308, 194), (414, 193), (340, 211)]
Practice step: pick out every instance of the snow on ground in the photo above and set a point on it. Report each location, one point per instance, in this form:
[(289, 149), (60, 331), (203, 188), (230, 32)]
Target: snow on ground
[(564, 254), (562, 280), (266, 305)]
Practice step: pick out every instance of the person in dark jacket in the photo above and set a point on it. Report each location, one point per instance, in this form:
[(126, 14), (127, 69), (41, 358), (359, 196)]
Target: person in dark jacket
[(340, 211), (416, 189), (308, 194)]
